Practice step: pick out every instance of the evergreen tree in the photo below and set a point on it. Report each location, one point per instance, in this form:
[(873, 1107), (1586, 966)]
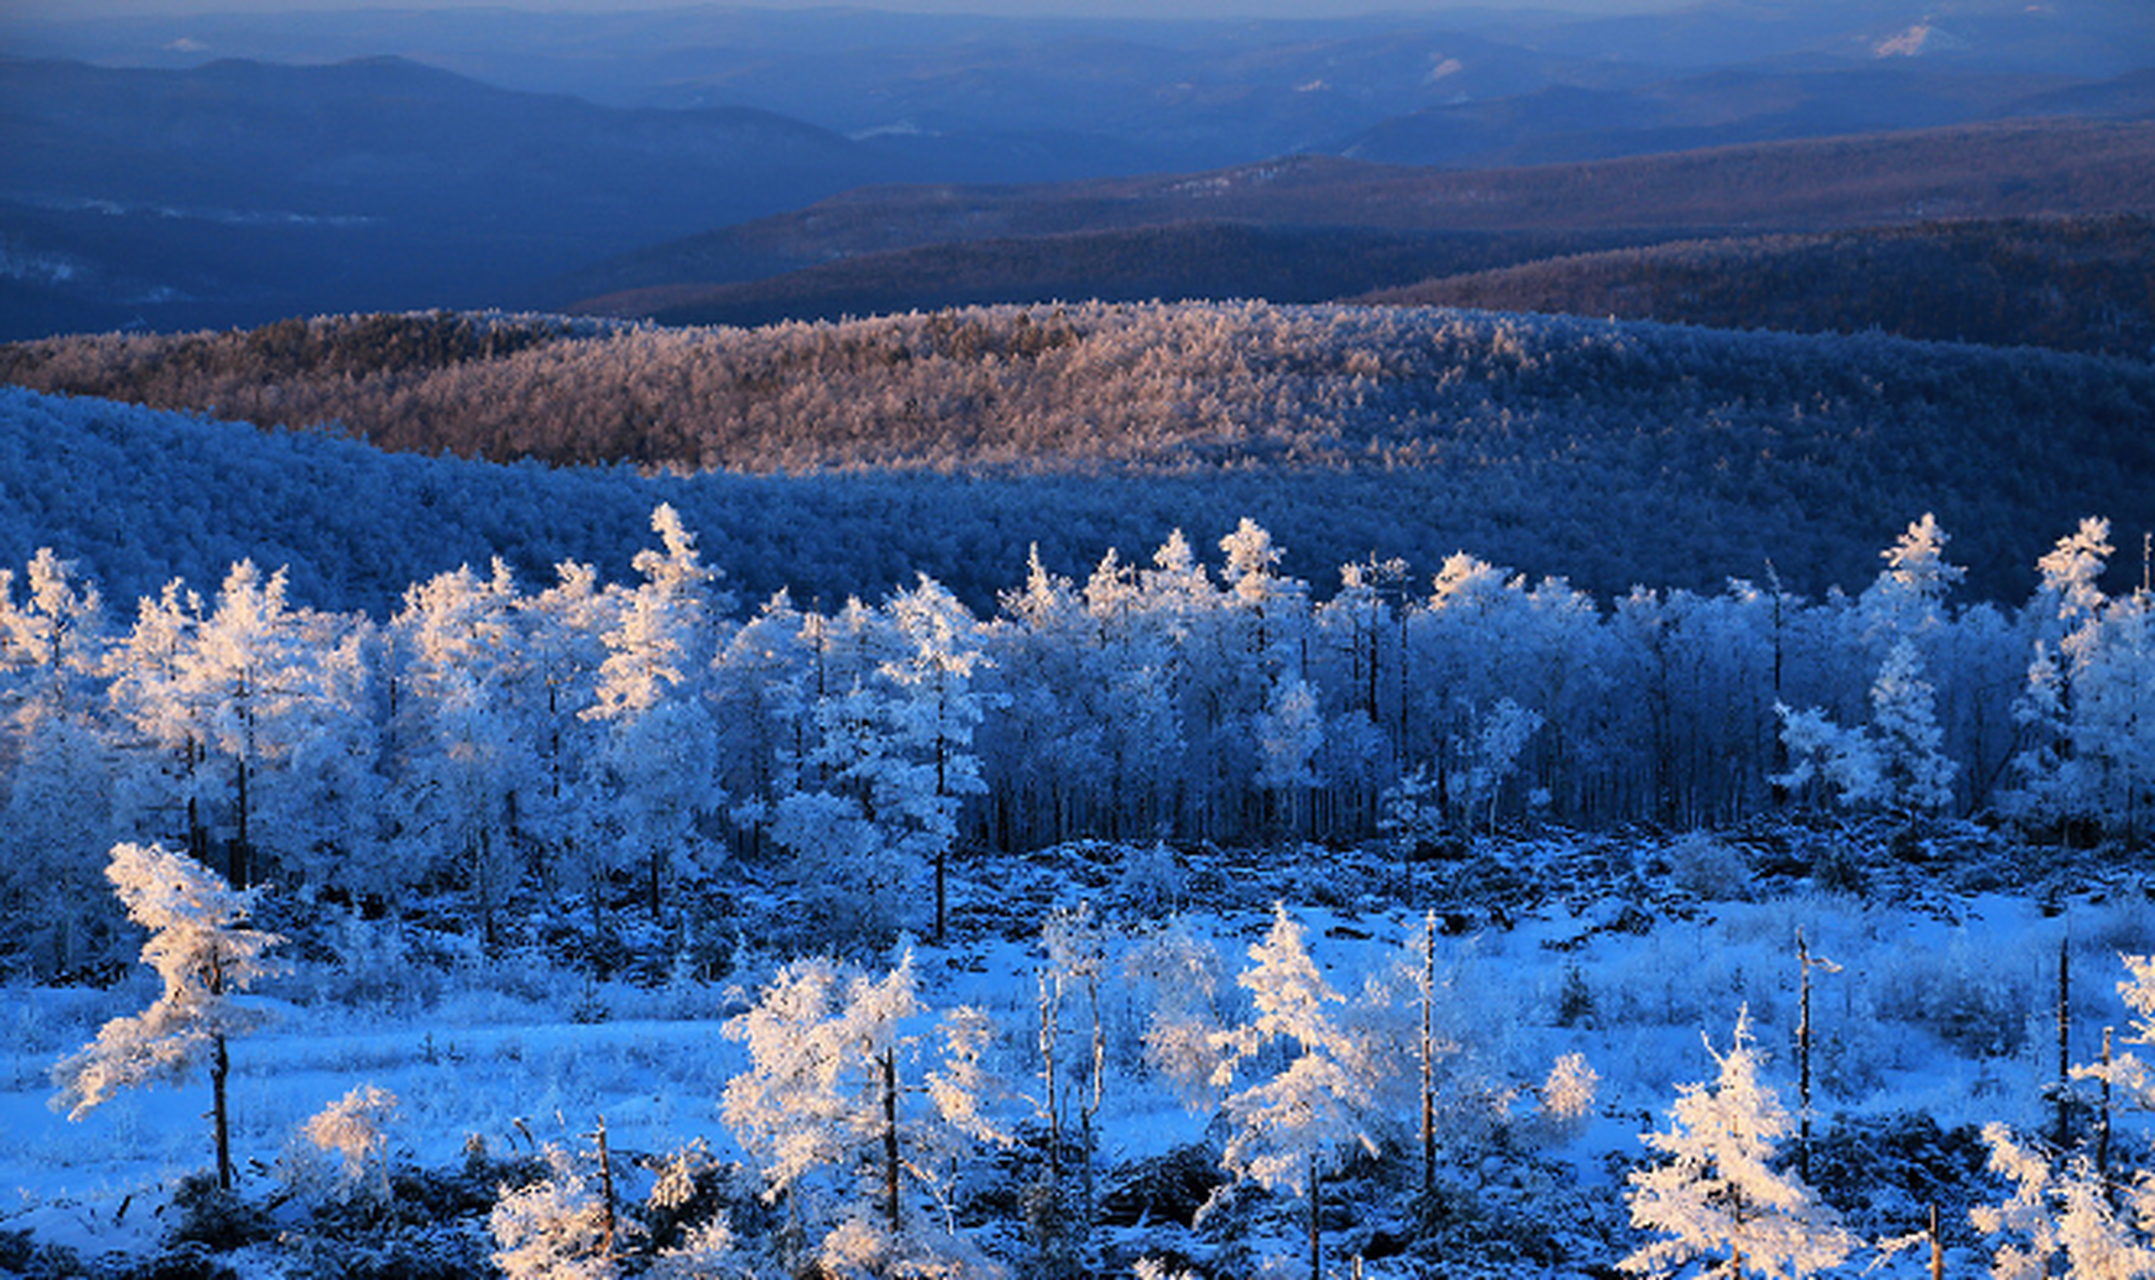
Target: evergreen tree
[(1291, 1129), (658, 760), (1716, 1195), (827, 1111), (206, 956)]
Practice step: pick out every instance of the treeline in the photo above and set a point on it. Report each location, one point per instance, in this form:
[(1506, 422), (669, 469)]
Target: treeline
[(1617, 453), (496, 735), (2070, 284)]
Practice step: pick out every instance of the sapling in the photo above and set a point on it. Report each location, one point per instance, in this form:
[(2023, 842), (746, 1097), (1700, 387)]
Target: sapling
[(1718, 1195), (354, 1128), (1289, 1129), (202, 949)]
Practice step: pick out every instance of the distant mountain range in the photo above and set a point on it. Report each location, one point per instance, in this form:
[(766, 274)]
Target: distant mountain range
[(1312, 228), (211, 171)]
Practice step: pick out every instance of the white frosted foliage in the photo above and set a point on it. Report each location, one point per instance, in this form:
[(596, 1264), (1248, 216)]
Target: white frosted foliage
[(1300, 1118), (1716, 1196), (204, 953)]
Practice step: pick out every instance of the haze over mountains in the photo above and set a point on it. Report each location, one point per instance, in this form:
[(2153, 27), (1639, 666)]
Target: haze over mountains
[(179, 172)]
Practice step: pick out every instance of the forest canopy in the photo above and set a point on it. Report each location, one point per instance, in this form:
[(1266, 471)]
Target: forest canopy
[(1614, 453)]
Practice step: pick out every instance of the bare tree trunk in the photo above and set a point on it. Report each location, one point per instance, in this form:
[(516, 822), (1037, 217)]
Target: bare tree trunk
[(606, 1193), (1316, 1202), (236, 853), (220, 1072), (220, 1115), (1803, 1057), (890, 1139), (2102, 1135)]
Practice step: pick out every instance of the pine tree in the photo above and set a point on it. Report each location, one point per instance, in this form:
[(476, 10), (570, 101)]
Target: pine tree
[(2065, 1217), (658, 760), (827, 1111), (1716, 1195), (1290, 1130), (935, 716), (202, 949)]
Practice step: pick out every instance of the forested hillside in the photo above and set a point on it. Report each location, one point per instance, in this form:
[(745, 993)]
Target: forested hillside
[(2073, 284), (1612, 452)]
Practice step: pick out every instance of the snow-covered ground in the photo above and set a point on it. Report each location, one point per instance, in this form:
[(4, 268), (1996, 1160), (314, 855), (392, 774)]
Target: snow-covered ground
[(1633, 951)]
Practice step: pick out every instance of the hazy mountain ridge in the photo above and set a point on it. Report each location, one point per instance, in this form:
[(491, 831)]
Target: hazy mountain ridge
[(370, 183), (2001, 170), (1617, 452), (177, 197), (1173, 261), (2072, 284)]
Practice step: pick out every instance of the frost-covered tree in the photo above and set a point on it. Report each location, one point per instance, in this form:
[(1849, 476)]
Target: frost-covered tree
[(935, 715), (1290, 730), (1906, 600), (163, 784), (1411, 813), (845, 836), (2088, 706), (56, 826), (1715, 1195), (1898, 762), (1178, 974), (828, 1111), (207, 957), (52, 641), (466, 756), (355, 1127), (2065, 1218), (1290, 1129), (56, 758), (560, 1227), (276, 703), (564, 628), (1493, 757), (657, 762)]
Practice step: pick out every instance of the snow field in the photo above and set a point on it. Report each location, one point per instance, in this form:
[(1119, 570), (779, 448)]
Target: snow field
[(1942, 1007)]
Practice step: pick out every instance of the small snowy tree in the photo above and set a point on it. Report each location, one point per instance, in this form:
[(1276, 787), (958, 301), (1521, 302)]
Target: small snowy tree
[(1717, 1195), (355, 1127), (1898, 761), (202, 949), (1180, 974), (2070, 1219), (826, 1107), (1289, 1130), (1494, 756)]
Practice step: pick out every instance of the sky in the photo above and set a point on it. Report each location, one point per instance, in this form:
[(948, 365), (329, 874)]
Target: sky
[(57, 9)]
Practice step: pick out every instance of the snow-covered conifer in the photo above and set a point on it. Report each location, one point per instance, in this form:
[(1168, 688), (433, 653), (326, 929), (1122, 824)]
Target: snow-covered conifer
[(658, 758), (1898, 761), (2065, 1218), (1291, 1129), (1716, 1195), (934, 716), (206, 956), (826, 1109)]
